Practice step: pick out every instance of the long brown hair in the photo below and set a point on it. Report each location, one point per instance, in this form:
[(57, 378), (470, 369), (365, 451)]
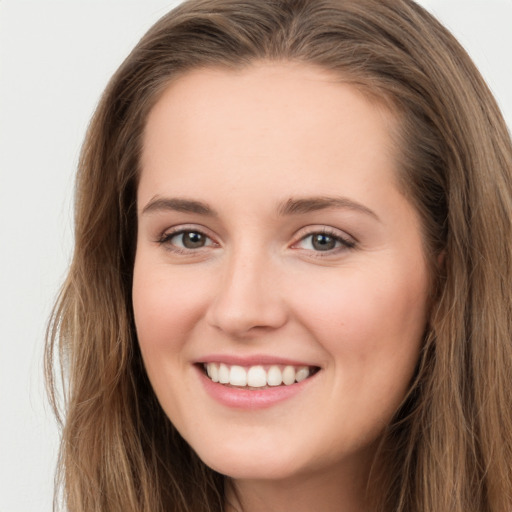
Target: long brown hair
[(449, 446)]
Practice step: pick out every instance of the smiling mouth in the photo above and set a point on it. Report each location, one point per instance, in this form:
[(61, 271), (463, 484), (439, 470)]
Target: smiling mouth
[(258, 376)]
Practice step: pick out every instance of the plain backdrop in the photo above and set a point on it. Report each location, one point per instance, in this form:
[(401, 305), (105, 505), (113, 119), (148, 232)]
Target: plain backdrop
[(55, 59)]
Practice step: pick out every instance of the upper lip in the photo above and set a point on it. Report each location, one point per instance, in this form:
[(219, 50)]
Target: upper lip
[(254, 360)]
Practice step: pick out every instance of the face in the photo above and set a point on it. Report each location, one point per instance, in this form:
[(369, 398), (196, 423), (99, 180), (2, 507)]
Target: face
[(276, 252)]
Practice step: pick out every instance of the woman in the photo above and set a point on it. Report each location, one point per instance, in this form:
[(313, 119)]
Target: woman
[(290, 287)]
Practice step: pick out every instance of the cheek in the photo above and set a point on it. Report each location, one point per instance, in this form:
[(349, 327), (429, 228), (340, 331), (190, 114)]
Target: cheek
[(166, 309), (371, 324), (363, 306)]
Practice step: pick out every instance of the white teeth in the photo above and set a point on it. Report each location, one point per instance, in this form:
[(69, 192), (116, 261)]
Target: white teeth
[(288, 375), (213, 372), (223, 374), (302, 373), (274, 376), (237, 376), (256, 376)]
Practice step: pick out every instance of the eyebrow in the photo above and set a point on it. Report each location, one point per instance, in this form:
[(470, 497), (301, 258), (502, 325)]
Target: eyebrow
[(292, 206), (298, 206), (159, 204)]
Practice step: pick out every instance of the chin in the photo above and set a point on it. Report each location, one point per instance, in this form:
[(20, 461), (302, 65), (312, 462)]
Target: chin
[(255, 464)]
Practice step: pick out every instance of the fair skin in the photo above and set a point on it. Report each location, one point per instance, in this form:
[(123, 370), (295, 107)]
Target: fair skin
[(272, 232)]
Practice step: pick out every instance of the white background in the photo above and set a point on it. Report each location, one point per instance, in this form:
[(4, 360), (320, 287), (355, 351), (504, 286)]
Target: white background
[(55, 59)]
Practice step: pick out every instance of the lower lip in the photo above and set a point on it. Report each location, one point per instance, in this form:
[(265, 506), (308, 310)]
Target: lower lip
[(239, 398)]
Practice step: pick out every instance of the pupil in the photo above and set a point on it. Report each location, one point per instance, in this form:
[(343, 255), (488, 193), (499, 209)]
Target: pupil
[(193, 240), (323, 242)]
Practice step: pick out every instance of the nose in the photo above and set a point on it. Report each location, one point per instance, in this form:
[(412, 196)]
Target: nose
[(249, 299)]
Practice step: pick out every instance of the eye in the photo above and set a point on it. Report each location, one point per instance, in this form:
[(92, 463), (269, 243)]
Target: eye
[(186, 239), (324, 242)]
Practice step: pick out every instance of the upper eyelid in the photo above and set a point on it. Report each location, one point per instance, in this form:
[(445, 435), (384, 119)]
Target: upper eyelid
[(168, 234), (327, 230), (299, 235), (183, 228), (172, 234)]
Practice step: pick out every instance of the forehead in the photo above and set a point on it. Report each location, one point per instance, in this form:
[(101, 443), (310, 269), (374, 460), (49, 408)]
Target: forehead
[(269, 121)]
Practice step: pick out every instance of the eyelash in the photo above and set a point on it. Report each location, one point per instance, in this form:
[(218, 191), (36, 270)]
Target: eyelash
[(344, 243), (166, 237)]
